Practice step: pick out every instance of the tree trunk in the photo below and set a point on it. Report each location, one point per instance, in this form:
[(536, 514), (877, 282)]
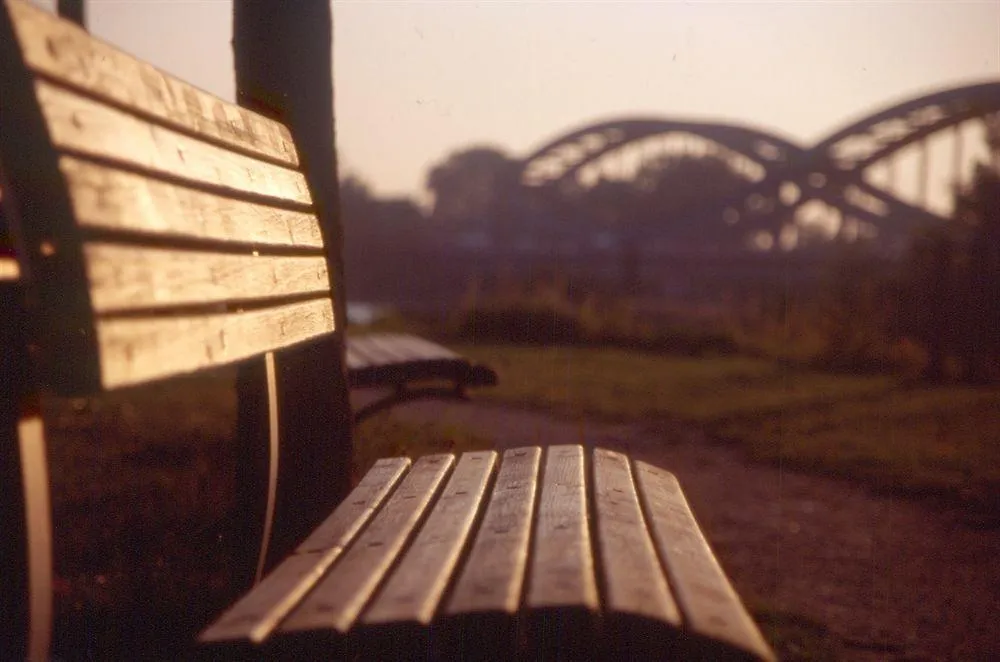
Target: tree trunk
[(284, 68), (939, 321), (72, 10)]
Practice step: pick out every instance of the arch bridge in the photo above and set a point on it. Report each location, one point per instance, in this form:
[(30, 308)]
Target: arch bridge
[(853, 173)]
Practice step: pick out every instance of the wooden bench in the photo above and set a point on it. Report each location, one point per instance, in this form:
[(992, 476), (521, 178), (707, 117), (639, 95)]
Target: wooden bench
[(160, 232), (549, 553), (409, 367)]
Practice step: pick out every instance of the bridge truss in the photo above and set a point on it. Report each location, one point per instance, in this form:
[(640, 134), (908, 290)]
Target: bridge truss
[(782, 178)]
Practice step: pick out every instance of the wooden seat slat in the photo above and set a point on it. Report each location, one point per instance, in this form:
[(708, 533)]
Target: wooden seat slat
[(340, 596), (409, 365), (369, 354), (640, 520), (710, 606), (110, 199), (88, 127), (387, 359), (493, 575), (386, 351), (124, 277), (562, 566), (379, 349), (345, 522), (10, 270), (414, 589), (133, 350), (634, 582), (421, 349), (63, 51), (256, 616), (352, 356), (259, 612)]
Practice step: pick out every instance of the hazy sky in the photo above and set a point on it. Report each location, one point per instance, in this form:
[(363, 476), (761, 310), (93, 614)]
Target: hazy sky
[(415, 80)]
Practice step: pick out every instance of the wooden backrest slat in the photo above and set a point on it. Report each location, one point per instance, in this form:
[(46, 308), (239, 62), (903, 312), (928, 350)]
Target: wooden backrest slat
[(158, 221), (110, 199), (338, 599), (64, 52), (259, 612), (135, 350), (634, 582), (710, 606), (83, 126), (493, 575), (413, 591), (562, 568), (10, 270), (124, 277)]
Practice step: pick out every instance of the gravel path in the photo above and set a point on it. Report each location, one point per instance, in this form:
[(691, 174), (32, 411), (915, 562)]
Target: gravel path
[(891, 579)]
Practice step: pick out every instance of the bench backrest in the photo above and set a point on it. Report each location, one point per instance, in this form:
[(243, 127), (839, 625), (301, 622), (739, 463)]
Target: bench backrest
[(164, 230), (158, 231)]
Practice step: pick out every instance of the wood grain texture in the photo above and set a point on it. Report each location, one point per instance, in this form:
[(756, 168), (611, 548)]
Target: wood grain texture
[(414, 589), (341, 527), (9, 269), (261, 610), (378, 349), (88, 127), (493, 575), (388, 350), (129, 277), (415, 348), (562, 568), (67, 53), (37, 210), (340, 596), (256, 616), (633, 578), (112, 199), (362, 352), (136, 350), (707, 600)]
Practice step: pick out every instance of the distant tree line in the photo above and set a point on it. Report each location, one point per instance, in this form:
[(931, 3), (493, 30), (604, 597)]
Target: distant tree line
[(477, 196), (951, 285), (943, 297)]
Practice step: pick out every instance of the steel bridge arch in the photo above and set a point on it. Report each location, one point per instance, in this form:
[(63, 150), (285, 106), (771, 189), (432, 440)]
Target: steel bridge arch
[(831, 171), (582, 146)]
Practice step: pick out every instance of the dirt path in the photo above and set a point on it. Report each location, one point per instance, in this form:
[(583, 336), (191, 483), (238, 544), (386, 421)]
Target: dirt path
[(889, 578)]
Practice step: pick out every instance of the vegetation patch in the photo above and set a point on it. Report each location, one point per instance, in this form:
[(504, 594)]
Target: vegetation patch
[(941, 440)]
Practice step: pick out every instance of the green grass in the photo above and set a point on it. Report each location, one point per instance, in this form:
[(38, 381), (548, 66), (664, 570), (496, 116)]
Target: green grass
[(942, 440)]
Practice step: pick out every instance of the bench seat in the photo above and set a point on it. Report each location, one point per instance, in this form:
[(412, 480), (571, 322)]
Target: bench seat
[(469, 557), (409, 365)]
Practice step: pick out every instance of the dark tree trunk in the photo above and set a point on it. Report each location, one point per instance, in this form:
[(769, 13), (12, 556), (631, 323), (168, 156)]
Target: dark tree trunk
[(283, 61), (939, 319), (73, 10)]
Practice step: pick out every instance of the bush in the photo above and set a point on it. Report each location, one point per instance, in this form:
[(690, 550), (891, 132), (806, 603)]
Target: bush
[(552, 314)]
